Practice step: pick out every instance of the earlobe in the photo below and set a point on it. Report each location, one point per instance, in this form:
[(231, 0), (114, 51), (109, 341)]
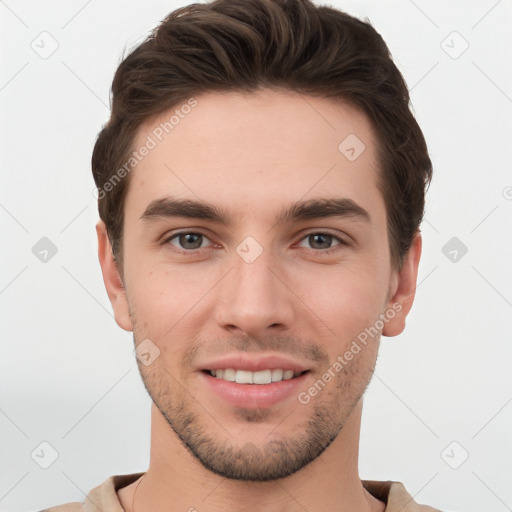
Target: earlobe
[(405, 285), (112, 279)]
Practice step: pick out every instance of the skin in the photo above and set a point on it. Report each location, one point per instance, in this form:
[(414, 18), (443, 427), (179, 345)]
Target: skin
[(252, 155)]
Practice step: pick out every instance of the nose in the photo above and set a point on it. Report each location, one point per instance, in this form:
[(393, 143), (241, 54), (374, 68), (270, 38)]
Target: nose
[(255, 298)]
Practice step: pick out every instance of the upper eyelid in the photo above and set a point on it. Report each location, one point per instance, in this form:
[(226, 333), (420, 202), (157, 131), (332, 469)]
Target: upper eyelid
[(166, 238), (337, 237)]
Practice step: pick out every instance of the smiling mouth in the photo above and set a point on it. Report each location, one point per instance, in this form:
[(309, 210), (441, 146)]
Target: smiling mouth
[(248, 377)]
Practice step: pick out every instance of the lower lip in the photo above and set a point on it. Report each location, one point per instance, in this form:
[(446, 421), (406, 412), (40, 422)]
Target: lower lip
[(254, 396)]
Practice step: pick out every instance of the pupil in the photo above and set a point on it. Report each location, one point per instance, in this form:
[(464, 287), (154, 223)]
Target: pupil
[(318, 238), (189, 239)]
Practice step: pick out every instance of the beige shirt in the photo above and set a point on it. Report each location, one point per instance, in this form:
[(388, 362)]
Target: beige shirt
[(104, 496)]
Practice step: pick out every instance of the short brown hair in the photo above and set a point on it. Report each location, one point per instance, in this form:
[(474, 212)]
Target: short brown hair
[(244, 45)]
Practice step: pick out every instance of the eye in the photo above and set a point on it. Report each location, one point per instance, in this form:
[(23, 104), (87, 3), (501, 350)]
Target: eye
[(322, 241), (187, 240)]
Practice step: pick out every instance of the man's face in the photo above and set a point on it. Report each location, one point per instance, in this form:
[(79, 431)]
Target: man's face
[(260, 296)]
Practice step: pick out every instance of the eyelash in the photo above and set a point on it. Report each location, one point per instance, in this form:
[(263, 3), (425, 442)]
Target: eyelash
[(316, 251)]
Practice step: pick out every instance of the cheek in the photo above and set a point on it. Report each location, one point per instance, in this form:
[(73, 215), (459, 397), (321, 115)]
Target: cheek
[(168, 292), (346, 299), (165, 303)]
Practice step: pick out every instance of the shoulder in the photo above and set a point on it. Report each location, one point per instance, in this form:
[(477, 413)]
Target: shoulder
[(103, 497), (68, 507), (396, 497), (399, 496)]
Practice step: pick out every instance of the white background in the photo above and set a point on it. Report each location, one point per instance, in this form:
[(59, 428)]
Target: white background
[(68, 373)]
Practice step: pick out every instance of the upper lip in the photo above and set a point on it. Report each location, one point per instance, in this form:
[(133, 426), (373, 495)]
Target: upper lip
[(254, 363)]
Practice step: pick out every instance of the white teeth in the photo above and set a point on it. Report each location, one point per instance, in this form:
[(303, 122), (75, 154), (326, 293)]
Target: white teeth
[(229, 374), (277, 375), (248, 377), (263, 377), (244, 377)]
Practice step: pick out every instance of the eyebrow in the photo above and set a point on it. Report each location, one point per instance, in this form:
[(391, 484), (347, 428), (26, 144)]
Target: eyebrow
[(169, 207)]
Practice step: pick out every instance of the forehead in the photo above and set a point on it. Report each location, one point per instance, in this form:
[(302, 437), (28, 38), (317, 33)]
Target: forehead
[(254, 151)]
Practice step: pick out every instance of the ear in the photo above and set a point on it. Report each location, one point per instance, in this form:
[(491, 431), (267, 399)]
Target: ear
[(112, 279), (404, 289)]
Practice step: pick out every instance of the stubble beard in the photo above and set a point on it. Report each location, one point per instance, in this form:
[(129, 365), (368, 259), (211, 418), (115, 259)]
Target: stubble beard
[(279, 457)]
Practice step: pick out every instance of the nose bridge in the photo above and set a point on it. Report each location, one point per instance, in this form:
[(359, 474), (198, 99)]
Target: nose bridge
[(253, 298)]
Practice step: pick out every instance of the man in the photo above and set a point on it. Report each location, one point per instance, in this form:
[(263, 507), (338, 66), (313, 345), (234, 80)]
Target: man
[(261, 184)]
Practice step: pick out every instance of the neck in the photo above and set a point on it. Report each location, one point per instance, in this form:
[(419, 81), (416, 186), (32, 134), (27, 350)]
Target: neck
[(176, 478)]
